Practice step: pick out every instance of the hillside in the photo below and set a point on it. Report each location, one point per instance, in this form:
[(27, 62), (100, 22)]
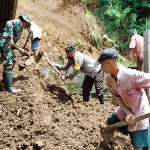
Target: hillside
[(45, 116)]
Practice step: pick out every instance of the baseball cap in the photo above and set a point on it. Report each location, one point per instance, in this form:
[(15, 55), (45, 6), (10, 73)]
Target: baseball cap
[(133, 31), (109, 53)]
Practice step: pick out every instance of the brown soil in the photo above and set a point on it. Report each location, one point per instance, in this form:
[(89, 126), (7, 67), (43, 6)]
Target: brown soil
[(44, 115)]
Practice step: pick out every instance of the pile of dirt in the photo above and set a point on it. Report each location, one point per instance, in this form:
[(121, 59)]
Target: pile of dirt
[(44, 115)]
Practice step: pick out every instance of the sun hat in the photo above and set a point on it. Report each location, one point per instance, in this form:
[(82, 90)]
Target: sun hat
[(26, 17), (105, 36)]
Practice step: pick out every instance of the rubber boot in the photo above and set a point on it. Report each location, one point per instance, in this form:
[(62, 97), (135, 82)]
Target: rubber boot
[(85, 98), (14, 75), (14, 62), (101, 99), (8, 80)]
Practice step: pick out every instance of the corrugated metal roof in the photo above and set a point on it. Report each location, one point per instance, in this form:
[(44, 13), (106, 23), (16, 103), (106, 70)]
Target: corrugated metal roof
[(7, 11)]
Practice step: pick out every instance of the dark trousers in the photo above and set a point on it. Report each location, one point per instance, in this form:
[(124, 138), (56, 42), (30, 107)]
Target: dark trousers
[(88, 84), (139, 64), (112, 119)]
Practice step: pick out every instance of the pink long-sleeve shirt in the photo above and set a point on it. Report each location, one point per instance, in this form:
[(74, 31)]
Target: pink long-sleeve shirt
[(130, 95), (137, 43)]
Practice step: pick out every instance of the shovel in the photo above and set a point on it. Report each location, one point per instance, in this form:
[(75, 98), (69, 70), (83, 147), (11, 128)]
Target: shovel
[(22, 51), (124, 123), (25, 44), (39, 56)]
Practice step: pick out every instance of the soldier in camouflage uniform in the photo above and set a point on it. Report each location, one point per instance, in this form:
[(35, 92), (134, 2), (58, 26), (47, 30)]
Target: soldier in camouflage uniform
[(9, 36)]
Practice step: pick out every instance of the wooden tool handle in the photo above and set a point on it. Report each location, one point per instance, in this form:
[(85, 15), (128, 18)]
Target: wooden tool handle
[(52, 64), (18, 48), (25, 44), (124, 123), (21, 50)]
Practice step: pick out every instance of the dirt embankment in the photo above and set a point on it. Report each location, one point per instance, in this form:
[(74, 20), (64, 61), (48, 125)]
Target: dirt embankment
[(44, 116)]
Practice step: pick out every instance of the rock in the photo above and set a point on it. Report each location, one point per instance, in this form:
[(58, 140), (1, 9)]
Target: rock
[(39, 144)]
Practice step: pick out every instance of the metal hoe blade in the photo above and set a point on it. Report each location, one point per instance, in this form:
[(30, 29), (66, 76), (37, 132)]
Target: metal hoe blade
[(38, 57)]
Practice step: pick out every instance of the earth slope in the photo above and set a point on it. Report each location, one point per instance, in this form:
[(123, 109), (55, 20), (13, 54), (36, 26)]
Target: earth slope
[(45, 115)]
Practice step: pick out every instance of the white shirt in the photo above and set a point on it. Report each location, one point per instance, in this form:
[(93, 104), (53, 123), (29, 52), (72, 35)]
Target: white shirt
[(36, 31)]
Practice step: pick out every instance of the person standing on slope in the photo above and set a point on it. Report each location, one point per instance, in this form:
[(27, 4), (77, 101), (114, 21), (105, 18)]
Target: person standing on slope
[(106, 42), (93, 74), (35, 35), (137, 46), (8, 38), (127, 85)]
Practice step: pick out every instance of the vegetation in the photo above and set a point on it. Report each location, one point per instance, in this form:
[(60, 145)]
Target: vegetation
[(98, 41), (119, 16), (125, 62), (78, 42), (92, 23)]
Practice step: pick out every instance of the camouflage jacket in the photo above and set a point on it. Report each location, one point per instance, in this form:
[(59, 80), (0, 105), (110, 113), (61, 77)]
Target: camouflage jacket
[(13, 29)]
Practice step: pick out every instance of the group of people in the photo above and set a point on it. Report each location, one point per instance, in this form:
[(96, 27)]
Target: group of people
[(8, 39), (136, 46), (130, 96)]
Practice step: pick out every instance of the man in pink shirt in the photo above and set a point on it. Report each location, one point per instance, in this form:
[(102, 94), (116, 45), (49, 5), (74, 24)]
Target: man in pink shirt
[(137, 46), (127, 85)]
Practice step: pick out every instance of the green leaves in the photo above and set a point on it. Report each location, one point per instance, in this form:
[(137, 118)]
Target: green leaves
[(113, 14), (134, 17), (98, 41), (120, 16), (127, 10)]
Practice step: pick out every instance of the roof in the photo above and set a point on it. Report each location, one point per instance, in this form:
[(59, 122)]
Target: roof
[(7, 11)]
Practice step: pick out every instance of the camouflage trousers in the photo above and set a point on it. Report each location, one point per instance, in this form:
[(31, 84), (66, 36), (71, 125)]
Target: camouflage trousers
[(8, 57)]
